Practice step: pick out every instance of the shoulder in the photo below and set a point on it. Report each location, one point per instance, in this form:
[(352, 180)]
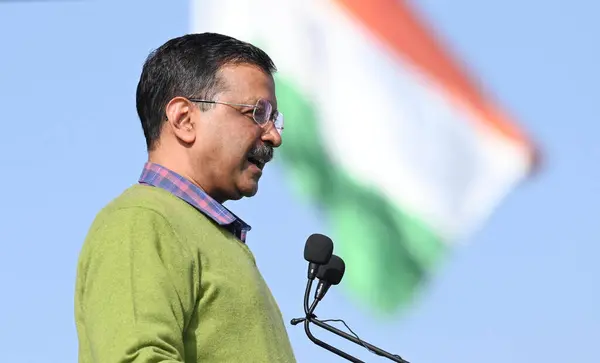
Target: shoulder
[(147, 197), (143, 204), (140, 214), (146, 212)]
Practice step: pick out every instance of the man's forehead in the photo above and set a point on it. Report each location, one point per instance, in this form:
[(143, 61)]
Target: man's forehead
[(245, 73), (248, 83)]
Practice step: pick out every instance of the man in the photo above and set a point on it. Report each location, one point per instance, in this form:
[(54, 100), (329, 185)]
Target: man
[(164, 274)]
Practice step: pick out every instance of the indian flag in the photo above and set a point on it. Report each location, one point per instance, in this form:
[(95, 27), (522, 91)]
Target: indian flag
[(385, 133)]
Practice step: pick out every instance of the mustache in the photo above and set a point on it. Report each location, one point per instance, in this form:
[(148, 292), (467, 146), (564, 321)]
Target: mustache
[(261, 152)]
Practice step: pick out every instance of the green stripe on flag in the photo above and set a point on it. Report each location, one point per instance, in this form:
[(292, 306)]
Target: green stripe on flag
[(388, 253)]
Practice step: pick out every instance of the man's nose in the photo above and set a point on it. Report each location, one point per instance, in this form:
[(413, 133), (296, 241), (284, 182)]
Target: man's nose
[(271, 135)]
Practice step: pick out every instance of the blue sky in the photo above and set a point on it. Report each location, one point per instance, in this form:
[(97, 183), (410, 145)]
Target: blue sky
[(525, 289)]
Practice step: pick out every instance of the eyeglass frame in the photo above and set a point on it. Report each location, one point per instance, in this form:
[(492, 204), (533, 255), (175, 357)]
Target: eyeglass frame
[(275, 113)]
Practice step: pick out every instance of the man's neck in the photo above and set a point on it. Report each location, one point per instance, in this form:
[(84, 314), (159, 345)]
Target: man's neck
[(185, 171)]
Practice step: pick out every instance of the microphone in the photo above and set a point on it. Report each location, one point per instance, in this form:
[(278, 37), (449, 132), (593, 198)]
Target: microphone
[(317, 251), (329, 274)]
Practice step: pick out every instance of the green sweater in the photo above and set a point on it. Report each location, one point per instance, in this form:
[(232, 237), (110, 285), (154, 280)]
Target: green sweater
[(158, 281)]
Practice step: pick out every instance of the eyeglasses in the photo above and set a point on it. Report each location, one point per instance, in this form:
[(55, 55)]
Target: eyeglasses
[(262, 112)]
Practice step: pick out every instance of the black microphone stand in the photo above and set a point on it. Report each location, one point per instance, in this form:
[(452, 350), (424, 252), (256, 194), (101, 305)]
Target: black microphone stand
[(308, 310), (311, 318)]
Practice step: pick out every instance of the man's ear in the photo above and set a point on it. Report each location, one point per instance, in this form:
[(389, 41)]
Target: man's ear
[(179, 118)]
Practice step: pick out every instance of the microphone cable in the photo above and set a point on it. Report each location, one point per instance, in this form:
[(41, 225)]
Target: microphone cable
[(358, 338)]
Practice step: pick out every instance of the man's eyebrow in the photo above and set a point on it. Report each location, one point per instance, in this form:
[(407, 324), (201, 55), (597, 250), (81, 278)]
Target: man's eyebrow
[(250, 101), (253, 100)]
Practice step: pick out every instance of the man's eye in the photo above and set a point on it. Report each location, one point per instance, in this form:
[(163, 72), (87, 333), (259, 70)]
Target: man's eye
[(260, 112)]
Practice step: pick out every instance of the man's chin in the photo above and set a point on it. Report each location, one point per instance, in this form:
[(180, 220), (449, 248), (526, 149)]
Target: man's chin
[(247, 182), (249, 192), (248, 187)]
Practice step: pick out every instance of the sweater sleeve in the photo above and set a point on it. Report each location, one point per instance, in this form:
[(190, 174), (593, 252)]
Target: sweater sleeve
[(137, 289)]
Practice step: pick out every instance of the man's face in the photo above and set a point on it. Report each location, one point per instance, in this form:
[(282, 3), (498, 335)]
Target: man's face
[(229, 136)]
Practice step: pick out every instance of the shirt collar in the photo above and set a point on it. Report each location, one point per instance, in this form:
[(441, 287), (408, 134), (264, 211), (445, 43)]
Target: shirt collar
[(161, 177)]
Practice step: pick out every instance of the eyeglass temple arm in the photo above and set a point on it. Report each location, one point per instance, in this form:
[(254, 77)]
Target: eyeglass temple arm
[(221, 102)]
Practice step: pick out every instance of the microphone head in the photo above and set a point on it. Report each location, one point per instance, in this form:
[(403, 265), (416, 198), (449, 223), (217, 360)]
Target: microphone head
[(333, 271), (318, 249)]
